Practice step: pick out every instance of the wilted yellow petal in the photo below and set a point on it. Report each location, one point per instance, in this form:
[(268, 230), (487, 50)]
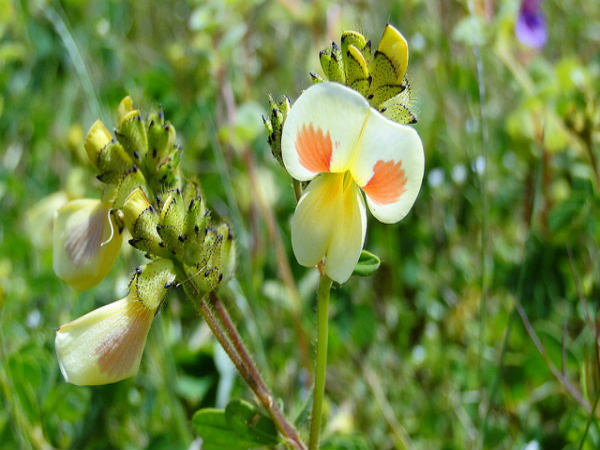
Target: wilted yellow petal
[(105, 345), (86, 242)]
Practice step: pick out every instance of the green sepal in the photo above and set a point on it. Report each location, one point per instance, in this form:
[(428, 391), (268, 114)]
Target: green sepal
[(150, 282), (315, 78), (132, 135), (367, 265), (113, 162), (396, 108), (384, 93), (398, 113), (382, 70)]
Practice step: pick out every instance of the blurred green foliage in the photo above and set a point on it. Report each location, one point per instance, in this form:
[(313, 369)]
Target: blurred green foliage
[(427, 352)]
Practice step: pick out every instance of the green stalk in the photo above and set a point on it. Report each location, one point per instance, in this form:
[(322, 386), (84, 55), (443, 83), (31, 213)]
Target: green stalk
[(323, 319)]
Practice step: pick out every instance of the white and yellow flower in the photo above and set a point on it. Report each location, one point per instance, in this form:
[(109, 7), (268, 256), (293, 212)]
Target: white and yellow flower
[(86, 242), (106, 345), (334, 138)]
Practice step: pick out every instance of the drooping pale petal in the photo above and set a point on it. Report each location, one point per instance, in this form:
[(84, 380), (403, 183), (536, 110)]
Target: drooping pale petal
[(315, 218), (388, 166), (321, 130), (105, 345), (86, 242), (348, 235)]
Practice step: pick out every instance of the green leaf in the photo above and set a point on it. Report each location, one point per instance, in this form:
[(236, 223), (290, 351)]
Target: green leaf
[(240, 426), (368, 263), (249, 422), (216, 433)]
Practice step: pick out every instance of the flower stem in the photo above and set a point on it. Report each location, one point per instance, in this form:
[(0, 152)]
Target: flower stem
[(320, 370), (261, 391), (229, 338)]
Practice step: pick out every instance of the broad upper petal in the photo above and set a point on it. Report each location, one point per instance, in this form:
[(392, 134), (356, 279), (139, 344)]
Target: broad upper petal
[(315, 218), (105, 345), (348, 236), (388, 166), (322, 129)]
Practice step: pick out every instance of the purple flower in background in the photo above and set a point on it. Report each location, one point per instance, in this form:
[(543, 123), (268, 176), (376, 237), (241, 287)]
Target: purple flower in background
[(531, 24)]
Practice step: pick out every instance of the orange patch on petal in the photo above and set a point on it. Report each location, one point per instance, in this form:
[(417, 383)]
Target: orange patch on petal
[(120, 349), (314, 148), (388, 182)]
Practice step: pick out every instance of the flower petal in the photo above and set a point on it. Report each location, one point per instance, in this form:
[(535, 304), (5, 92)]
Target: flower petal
[(84, 249), (321, 130), (388, 165), (315, 218), (105, 345), (348, 236)]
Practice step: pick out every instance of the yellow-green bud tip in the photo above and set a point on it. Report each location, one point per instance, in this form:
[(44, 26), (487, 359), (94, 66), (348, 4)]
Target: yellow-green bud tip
[(96, 140), (135, 204)]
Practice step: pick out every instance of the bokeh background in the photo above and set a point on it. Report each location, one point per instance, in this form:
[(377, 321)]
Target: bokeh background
[(478, 330)]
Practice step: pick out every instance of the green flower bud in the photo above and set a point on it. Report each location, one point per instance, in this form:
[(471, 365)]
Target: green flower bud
[(228, 257), (132, 135), (274, 125), (97, 138), (141, 220), (113, 163), (332, 63), (161, 140), (357, 72), (171, 223), (125, 107)]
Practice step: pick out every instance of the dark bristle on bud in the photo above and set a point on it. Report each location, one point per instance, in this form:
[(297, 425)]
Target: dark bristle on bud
[(136, 155), (158, 228), (151, 123), (151, 208), (220, 277), (147, 255), (161, 244), (138, 270), (370, 96), (207, 273), (191, 204), (196, 229), (154, 152), (181, 238), (178, 191)]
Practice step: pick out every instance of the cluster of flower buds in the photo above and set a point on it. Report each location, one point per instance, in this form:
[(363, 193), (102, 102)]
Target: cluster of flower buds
[(379, 76), (167, 219)]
